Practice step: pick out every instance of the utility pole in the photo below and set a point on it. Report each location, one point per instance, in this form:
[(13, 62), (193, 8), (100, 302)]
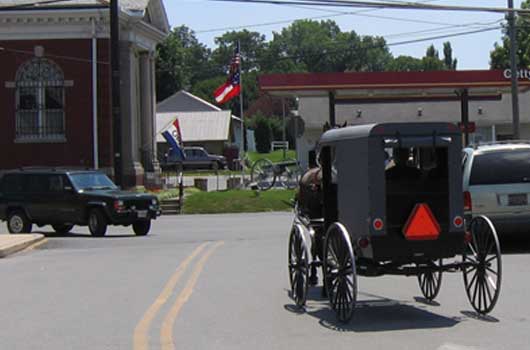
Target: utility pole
[(283, 128), (513, 68), (116, 100)]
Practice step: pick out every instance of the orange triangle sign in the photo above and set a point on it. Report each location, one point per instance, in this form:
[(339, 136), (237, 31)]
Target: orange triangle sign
[(421, 225)]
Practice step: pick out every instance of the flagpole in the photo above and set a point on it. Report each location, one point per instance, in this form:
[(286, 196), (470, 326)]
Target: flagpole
[(242, 148)]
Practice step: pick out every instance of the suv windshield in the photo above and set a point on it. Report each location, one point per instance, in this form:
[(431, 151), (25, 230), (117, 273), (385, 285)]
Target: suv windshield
[(502, 167), (92, 181)]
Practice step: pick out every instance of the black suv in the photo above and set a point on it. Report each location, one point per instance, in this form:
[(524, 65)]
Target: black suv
[(64, 198)]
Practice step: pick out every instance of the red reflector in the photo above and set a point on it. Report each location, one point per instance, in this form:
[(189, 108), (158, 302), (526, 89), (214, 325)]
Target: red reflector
[(458, 221), (378, 224), (422, 224), (363, 242)]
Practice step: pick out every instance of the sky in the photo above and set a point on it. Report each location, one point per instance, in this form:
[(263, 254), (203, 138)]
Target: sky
[(209, 19)]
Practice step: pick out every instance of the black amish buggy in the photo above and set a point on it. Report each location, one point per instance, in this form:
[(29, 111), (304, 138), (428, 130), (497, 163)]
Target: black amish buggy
[(390, 202)]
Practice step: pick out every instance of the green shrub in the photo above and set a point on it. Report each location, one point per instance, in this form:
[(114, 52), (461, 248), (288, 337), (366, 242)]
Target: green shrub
[(262, 133)]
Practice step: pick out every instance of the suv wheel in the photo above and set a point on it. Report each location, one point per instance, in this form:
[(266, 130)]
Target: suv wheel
[(97, 223), (18, 222), (142, 227), (62, 229)]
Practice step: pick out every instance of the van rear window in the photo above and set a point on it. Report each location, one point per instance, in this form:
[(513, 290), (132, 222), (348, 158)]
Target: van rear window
[(503, 167)]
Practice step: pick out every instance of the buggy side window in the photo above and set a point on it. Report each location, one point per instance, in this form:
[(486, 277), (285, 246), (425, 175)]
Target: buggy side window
[(329, 184)]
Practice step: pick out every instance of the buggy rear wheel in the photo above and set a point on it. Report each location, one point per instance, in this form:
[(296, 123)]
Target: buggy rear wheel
[(431, 281), (263, 174), (482, 265), (298, 265), (340, 278)]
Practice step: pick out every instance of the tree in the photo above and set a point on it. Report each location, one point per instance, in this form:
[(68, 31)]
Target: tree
[(500, 55), (252, 47), (262, 133), (431, 60), (450, 63), (313, 46), (405, 64), (181, 62)]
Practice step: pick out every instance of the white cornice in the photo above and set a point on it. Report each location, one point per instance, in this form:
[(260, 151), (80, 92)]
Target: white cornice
[(72, 24)]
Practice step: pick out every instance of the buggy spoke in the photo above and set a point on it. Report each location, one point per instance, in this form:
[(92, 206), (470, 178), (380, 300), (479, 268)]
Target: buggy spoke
[(490, 298), (472, 282), (491, 270), (470, 269), (489, 280), (491, 258), (475, 255), (480, 285)]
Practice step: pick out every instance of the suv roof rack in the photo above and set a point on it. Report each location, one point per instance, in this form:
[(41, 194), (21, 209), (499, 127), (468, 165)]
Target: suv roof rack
[(24, 168), (503, 142)]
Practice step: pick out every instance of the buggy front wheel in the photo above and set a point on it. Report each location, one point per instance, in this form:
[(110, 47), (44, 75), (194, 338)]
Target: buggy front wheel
[(482, 265), (340, 276), (431, 280), (298, 265)]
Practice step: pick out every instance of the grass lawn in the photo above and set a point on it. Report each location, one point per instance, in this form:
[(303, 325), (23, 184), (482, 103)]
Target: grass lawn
[(276, 156), (238, 201)]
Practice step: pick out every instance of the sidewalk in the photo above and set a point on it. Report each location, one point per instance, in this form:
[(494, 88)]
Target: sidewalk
[(10, 244)]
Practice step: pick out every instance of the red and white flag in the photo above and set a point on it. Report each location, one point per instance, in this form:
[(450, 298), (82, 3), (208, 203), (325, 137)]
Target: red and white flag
[(232, 87)]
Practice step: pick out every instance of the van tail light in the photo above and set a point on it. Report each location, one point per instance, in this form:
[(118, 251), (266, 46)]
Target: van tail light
[(467, 201)]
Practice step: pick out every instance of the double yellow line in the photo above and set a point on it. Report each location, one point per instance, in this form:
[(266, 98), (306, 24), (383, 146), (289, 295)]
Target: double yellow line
[(141, 332)]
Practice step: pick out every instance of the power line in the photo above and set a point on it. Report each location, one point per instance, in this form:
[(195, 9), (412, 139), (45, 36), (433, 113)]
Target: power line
[(381, 5), (361, 13), (444, 36)]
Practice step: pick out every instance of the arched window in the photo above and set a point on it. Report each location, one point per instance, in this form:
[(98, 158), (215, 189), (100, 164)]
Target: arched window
[(40, 100)]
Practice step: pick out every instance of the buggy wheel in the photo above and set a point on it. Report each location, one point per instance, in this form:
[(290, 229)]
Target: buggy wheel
[(340, 278), (291, 174), (263, 174), (482, 265), (298, 265), (431, 280)]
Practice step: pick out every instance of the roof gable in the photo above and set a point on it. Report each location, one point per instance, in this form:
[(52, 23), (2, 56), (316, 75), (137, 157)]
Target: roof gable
[(183, 101)]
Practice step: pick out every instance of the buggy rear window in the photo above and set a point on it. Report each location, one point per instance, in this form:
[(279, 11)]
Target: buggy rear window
[(503, 167)]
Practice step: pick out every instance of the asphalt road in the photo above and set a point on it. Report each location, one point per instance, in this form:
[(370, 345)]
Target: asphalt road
[(220, 282)]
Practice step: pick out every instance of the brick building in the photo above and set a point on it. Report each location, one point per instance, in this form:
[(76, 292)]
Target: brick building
[(55, 85)]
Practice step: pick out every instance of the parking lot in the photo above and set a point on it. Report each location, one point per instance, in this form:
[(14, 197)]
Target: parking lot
[(127, 292)]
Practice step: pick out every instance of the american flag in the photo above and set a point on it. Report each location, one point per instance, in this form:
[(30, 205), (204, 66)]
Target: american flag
[(232, 86)]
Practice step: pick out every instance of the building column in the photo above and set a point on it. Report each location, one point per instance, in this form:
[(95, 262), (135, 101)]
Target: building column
[(133, 172), (147, 118), (152, 71)]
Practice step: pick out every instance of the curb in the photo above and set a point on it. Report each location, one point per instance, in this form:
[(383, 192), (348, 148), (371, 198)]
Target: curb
[(11, 244)]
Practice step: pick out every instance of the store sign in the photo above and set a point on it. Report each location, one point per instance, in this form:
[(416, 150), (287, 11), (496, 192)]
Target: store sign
[(521, 74), (470, 127)]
